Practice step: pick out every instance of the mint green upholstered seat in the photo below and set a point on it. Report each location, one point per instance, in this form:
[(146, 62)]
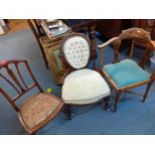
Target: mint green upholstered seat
[(126, 72)]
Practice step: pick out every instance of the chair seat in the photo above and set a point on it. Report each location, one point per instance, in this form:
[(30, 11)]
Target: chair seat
[(126, 72), (37, 109), (84, 86)]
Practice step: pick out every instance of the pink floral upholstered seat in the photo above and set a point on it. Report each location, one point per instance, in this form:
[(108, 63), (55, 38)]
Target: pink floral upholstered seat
[(38, 108)]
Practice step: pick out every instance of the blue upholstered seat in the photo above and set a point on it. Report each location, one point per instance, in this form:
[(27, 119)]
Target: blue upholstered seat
[(126, 72)]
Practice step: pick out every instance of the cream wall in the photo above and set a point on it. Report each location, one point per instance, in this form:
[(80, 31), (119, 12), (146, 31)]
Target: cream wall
[(1, 23)]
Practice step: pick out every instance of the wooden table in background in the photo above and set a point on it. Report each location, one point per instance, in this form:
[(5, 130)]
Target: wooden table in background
[(52, 48)]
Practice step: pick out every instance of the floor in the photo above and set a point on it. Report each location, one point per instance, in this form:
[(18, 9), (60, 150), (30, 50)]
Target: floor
[(17, 25), (132, 116)]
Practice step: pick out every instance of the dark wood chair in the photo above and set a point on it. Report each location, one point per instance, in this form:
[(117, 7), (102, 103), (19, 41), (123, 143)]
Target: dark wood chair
[(81, 86), (127, 74), (36, 111)]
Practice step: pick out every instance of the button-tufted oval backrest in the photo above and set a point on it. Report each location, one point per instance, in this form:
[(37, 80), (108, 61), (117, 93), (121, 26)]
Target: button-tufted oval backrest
[(76, 50)]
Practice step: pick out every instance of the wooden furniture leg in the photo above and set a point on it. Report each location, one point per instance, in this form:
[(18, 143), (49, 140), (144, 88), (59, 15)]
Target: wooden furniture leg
[(147, 90), (44, 57), (67, 111), (117, 97), (93, 43), (106, 103)]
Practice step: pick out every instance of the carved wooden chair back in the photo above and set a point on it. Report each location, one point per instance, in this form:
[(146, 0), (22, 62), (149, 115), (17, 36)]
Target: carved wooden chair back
[(76, 50), (13, 76), (136, 34), (140, 37)]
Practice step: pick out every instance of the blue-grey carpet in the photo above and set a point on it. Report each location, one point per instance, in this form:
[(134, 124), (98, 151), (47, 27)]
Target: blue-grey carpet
[(132, 116)]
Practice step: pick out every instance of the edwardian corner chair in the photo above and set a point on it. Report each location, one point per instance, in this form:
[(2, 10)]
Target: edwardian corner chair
[(82, 85), (36, 111), (126, 74)]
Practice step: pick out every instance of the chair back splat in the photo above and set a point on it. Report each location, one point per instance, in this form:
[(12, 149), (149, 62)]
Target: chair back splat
[(15, 80)]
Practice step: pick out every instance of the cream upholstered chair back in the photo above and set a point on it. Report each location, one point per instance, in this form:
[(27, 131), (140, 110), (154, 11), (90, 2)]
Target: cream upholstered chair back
[(76, 50)]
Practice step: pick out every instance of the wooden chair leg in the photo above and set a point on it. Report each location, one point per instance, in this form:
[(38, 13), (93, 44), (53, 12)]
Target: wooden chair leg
[(45, 60), (117, 97), (147, 90), (106, 103), (44, 56), (67, 111)]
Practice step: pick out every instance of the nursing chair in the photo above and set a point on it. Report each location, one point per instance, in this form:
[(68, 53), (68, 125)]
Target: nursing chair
[(37, 110), (127, 74), (81, 86)]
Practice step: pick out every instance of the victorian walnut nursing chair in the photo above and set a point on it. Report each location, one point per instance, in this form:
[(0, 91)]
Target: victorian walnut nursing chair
[(127, 74), (37, 110), (81, 86)]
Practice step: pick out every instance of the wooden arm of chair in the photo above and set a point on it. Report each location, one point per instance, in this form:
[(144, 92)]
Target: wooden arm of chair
[(108, 42), (103, 46)]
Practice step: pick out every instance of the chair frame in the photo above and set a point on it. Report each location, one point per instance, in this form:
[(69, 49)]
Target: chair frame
[(134, 34), (23, 90)]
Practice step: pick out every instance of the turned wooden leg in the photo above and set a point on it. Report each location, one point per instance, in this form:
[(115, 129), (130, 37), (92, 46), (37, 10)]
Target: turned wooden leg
[(67, 111), (147, 90), (106, 103), (117, 97)]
